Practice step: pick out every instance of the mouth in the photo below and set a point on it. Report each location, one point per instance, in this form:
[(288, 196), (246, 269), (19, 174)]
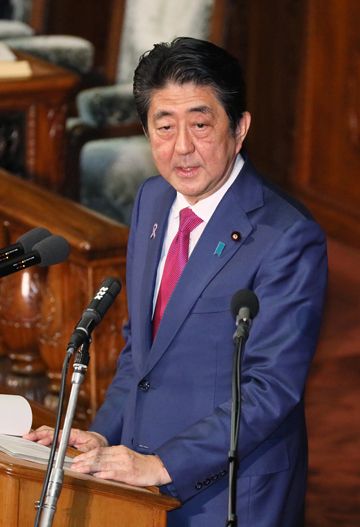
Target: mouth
[(186, 172)]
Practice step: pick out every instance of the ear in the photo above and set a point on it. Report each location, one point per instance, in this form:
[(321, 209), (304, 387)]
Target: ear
[(242, 130)]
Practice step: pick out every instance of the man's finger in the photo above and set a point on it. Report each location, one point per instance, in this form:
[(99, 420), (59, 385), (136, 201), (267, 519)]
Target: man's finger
[(43, 435)]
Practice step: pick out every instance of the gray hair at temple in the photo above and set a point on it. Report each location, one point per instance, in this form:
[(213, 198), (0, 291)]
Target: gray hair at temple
[(190, 60)]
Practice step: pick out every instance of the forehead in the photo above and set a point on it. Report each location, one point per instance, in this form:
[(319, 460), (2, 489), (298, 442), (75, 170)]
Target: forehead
[(189, 97)]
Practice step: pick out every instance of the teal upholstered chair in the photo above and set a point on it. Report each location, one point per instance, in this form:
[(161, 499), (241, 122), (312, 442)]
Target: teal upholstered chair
[(14, 28), (144, 24), (111, 170), (70, 52), (15, 19), (28, 19)]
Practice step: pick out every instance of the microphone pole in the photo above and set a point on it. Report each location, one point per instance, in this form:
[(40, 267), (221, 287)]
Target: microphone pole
[(81, 363), (244, 306), (81, 338)]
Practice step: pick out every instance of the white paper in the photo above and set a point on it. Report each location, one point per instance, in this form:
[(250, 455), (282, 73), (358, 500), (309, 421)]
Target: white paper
[(15, 415), (25, 449), (16, 420), (6, 54)]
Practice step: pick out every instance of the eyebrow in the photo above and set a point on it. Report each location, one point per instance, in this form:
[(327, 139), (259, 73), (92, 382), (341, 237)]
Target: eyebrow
[(196, 109)]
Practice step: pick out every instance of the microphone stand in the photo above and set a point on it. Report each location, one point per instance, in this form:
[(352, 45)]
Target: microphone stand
[(57, 474), (239, 338)]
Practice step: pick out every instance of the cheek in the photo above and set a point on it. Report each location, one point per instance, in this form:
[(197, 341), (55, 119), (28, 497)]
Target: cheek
[(161, 151), (211, 153)]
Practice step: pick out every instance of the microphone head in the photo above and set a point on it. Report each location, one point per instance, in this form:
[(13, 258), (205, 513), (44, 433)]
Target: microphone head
[(30, 238), (52, 250), (105, 296), (244, 298)]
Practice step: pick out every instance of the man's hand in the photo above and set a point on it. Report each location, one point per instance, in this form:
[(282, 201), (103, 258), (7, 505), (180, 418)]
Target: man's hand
[(119, 463), (83, 441)]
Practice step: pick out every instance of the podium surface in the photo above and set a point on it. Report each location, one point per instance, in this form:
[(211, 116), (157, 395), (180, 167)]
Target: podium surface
[(84, 500)]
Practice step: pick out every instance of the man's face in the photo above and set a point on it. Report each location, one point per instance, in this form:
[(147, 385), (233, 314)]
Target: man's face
[(191, 141)]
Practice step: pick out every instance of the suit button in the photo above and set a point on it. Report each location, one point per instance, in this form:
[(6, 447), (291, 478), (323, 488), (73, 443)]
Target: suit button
[(198, 485), (144, 385)]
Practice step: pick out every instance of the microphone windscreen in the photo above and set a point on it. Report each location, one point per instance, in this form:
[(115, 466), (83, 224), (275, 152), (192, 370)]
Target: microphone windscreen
[(52, 250), (245, 298), (106, 295), (30, 238)]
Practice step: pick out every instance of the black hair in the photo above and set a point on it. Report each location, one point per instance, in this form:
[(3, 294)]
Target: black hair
[(186, 60)]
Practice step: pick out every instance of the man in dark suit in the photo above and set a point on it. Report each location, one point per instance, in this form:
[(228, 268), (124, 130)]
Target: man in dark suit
[(166, 416)]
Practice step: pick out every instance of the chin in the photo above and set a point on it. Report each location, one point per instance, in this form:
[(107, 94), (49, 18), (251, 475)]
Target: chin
[(187, 190)]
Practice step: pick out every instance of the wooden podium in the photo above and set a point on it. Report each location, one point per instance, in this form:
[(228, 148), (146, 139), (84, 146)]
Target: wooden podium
[(84, 501)]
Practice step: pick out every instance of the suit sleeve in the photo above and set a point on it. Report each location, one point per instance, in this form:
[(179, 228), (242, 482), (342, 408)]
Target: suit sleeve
[(109, 418), (290, 285)]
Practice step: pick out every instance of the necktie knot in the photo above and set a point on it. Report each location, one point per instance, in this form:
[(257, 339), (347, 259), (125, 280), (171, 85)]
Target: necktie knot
[(188, 220)]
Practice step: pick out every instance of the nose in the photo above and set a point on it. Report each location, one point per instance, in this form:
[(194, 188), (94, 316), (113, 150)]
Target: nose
[(184, 143)]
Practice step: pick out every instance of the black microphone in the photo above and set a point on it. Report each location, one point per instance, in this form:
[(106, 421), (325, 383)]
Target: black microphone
[(23, 244), (244, 307), (95, 312), (49, 251)]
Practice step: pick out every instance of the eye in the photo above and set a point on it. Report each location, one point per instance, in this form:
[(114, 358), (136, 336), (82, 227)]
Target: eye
[(201, 127), (165, 129)]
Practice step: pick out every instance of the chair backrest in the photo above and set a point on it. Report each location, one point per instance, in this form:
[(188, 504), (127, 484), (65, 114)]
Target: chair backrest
[(159, 21), (21, 10), (103, 23), (32, 12)]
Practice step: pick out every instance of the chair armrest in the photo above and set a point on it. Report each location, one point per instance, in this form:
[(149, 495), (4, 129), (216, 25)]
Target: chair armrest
[(107, 106), (67, 51), (14, 28)]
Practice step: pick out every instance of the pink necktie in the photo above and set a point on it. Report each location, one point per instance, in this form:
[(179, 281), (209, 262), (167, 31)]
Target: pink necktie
[(176, 260)]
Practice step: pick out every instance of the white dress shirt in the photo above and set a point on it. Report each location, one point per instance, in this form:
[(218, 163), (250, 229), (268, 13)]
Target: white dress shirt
[(204, 209)]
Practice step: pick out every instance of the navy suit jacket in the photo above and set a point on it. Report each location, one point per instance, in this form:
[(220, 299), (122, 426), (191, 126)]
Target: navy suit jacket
[(172, 396)]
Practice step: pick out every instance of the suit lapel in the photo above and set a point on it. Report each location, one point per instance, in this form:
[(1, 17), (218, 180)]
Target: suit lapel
[(149, 246), (205, 262)]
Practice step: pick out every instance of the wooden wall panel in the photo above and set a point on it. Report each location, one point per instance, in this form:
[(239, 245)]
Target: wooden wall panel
[(267, 39), (302, 68), (327, 143)]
